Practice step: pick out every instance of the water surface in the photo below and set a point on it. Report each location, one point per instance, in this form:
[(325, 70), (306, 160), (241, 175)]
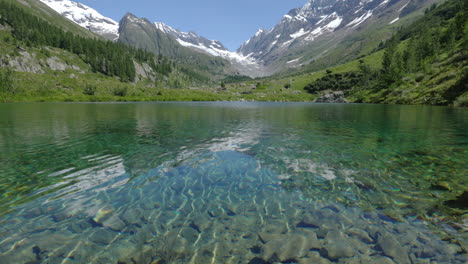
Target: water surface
[(232, 183)]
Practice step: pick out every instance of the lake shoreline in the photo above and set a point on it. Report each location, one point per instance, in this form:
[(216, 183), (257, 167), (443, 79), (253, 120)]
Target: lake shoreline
[(156, 100)]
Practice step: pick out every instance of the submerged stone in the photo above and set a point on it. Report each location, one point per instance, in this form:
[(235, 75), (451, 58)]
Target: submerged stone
[(286, 247), (392, 248), (102, 236), (114, 223), (460, 202), (337, 245), (441, 186), (361, 234), (313, 257), (132, 216), (382, 260), (189, 233)]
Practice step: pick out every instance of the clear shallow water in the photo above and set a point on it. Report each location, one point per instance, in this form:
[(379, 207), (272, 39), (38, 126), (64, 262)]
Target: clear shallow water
[(232, 183)]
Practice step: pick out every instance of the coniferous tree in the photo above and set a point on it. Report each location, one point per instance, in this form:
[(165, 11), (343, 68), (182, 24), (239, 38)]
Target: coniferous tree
[(109, 58)]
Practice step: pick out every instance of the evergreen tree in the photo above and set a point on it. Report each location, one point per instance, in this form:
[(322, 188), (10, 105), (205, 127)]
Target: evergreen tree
[(389, 70), (107, 57)]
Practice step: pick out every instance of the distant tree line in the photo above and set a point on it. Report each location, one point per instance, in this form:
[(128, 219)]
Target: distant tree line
[(6, 81), (440, 30), (237, 78), (107, 57)]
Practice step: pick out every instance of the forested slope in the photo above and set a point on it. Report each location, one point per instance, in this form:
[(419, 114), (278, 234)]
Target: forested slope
[(424, 63), (39, 58)]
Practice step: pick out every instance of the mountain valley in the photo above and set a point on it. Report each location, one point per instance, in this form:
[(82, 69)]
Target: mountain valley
[(320, 35)]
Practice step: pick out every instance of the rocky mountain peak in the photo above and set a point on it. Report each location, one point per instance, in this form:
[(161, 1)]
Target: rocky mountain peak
[(86, 17), (317, 20)]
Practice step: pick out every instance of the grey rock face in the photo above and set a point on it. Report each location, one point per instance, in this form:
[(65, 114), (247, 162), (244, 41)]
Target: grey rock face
[(55, 64), (319, 25), (143, 34), (29, 62), (190, 37), (333, 97), (26, 62), (288, 246), (392, 248)]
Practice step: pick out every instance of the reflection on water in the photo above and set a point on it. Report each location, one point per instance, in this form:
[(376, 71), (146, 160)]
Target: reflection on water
[(232, 183)]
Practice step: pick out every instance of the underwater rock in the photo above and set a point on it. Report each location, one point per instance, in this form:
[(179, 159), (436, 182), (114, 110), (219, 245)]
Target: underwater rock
[(461, 202), (360, 234), (286, 247), (33, 213), (79, 226), (325, 228), (59, 217), (441, 186), (132, 216), (102, 236), (201, 222), (382, 260), (409, 238), (189, 233), (313, 257), (337, 245), (257, 260), (373, 231), (392, 248), (216, 212), (240, 223), (312, 239), (114, 223), (309, 221), (426, 251), (103, 213), (266, 237)]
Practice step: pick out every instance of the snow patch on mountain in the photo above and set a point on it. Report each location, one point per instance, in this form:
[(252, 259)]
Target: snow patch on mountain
[(201, 44), (295, 60), (300, 33), (403, 7), (86, 17), (216, 51), (334, 23), (360, 19), (394, 20)]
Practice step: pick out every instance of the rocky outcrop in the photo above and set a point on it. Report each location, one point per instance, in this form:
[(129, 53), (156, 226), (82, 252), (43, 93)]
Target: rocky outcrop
[(143, 71), (29, 62), (333, 97), (25, 62)]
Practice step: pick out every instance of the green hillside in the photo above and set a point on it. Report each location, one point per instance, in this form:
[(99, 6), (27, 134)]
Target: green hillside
[(423, 63), (141, 33), (41, 10), (44, 56)]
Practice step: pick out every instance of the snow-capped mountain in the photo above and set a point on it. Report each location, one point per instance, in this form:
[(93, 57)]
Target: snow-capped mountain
[(91, 19), (202, 44), (86, 17), (301, 36), (318, 20)]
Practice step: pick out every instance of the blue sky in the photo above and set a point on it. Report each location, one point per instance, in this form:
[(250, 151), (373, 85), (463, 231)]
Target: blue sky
[(230, 21)]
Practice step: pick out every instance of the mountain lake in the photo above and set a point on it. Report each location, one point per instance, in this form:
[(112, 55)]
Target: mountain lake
[(233, 182)]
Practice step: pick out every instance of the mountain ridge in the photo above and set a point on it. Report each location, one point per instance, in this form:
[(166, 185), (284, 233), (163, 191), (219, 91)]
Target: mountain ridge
[(324, 24), (86, 17), (302, 35)]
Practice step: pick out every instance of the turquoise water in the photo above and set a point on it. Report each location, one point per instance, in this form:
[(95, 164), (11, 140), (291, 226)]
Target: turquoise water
[(232, 183)]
